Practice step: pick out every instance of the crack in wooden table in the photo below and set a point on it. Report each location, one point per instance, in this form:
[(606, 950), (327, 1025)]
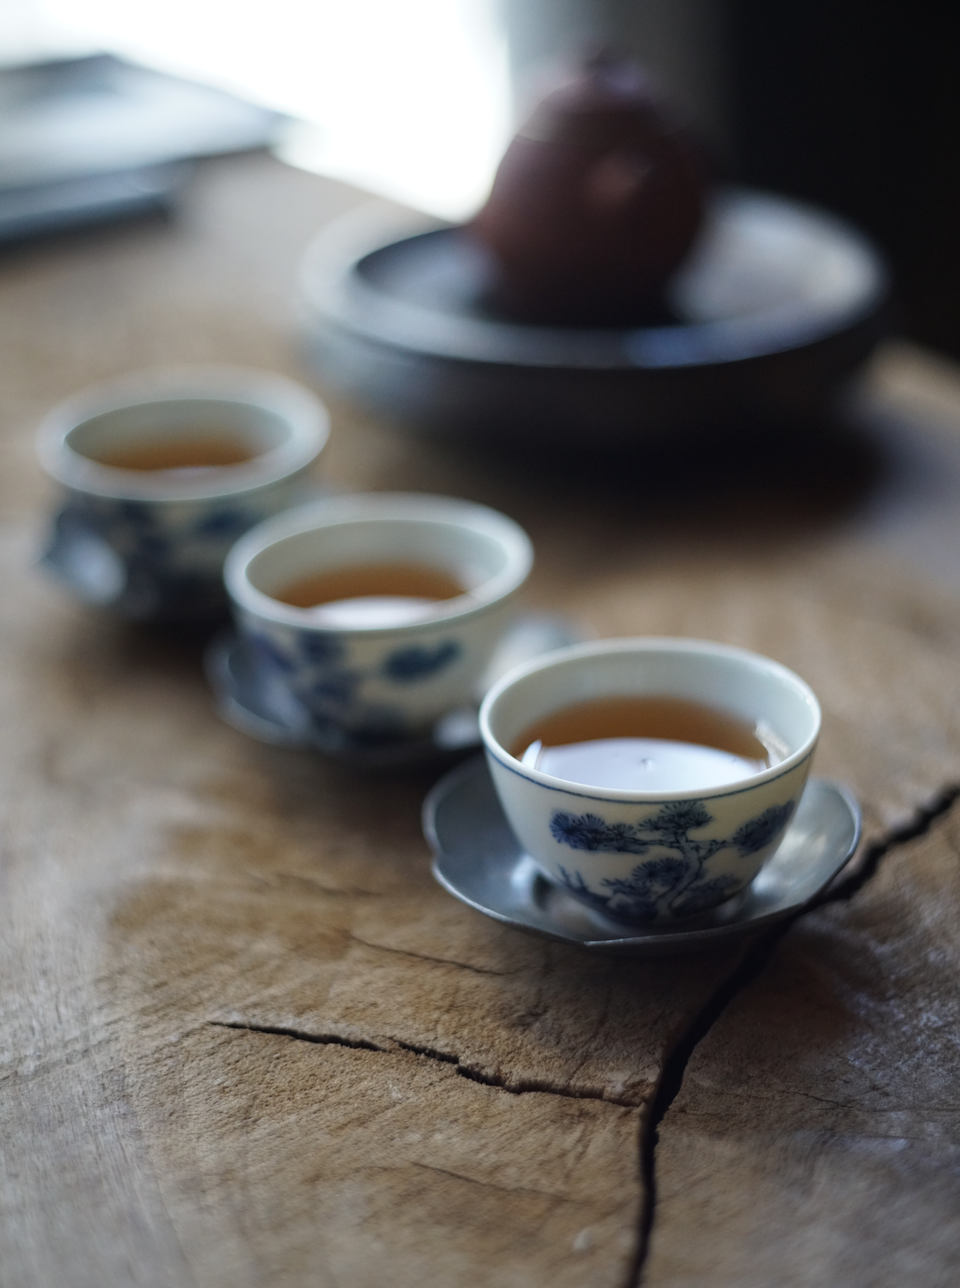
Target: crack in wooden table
[(247, 1040)]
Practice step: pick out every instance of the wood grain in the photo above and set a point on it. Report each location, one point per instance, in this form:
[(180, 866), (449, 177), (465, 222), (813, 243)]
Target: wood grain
[(246, 1039), (816, 1137)]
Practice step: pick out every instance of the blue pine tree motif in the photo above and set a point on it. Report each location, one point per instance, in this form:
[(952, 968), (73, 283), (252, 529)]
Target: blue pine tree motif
[(588, 832), (637, 897), (677, 818), (576, 885), (706, 894), (667, 883), (761, 830)]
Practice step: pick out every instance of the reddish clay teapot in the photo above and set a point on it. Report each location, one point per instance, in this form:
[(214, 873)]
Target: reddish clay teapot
[(595, 203)]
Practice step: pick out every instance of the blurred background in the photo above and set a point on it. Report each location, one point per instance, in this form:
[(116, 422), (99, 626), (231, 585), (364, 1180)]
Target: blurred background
[(852, 104)]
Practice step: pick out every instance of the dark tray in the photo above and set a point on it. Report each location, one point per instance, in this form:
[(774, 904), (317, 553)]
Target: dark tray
[(777, 305)]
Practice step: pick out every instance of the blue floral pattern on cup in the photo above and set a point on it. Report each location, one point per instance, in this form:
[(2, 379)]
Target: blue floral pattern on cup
[(151, 544), (315, 668), (675, 880), (148, 561), (367, 685), (407, 665)]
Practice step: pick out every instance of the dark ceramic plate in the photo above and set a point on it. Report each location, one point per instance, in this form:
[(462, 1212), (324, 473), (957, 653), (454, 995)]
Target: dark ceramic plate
[(480, 861), (776, 306)]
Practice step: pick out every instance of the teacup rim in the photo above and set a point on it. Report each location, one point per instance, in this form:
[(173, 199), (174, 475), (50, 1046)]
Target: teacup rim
[(641, 644), (305, 414), (349, 507)]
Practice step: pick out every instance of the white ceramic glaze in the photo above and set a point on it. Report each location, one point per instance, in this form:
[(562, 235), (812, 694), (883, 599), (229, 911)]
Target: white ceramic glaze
[(478, 859), (152, 543), (388, 682), (645, 856)]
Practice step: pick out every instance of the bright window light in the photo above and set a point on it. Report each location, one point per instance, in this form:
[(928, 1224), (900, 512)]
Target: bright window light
[(409, 98)]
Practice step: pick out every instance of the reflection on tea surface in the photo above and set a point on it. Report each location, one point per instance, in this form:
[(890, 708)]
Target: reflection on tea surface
[(371, 595), (191, 452), (649, 744)]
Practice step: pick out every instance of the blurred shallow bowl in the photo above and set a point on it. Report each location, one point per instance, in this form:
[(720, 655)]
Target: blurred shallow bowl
[(776, 306)]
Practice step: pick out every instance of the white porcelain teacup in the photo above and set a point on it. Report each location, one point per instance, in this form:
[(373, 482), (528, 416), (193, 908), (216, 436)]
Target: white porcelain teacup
[(651, 855), (361, 680), (143, 528)]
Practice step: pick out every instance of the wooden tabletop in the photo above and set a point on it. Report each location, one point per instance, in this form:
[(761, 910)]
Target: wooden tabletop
[(248, 1041)]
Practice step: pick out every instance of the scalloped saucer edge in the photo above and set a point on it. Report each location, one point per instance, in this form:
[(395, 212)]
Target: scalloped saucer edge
[(479, 861)]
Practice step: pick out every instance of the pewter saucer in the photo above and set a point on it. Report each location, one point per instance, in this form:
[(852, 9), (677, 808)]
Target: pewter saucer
[(246, 700), (479, 860)]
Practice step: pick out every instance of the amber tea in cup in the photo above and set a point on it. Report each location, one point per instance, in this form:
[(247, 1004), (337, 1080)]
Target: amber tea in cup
[(204, 451), (647, 743), (375, 616), (676, 768), (380, 594), (161, 471)]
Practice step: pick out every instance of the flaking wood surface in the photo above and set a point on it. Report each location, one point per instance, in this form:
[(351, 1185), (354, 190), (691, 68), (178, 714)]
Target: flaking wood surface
[(248, 1041)]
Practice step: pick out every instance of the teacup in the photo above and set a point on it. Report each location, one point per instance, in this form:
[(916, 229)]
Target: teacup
[(660, 855), (356, 682), (147, 518)]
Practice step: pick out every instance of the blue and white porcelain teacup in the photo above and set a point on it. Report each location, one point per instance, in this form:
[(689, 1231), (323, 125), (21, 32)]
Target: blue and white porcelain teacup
[(673, 852), (365, 680), (149, 540)]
